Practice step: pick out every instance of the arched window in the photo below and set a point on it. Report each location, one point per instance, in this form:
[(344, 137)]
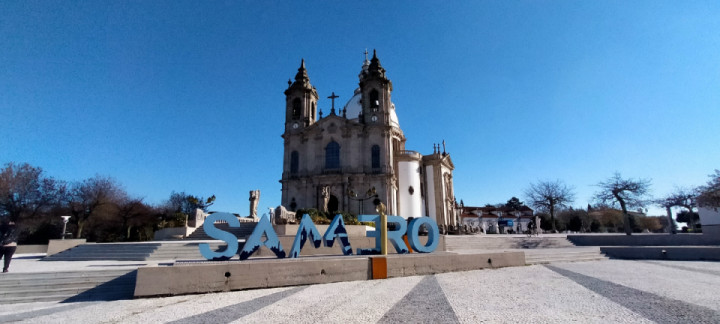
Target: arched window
[(312, 112), (375, 157), (332, 155), (296, 110), (294, 161), (374, 99)]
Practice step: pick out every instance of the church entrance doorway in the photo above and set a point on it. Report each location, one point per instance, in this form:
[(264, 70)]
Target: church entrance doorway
[(333, 204)]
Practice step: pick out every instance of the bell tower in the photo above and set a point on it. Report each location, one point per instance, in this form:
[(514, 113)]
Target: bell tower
[(375, 88), (300, 102)]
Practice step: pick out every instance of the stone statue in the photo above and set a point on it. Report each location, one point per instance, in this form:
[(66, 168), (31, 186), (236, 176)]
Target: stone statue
[(283, 216), (326, 198), (271, 215), (254, 200)]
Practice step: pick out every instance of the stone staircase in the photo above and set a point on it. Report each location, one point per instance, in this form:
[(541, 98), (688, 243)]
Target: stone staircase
[(538, 249), (183, 250), (576, 254), (500, 242), (67, 286), (241, 232), (140, 251)]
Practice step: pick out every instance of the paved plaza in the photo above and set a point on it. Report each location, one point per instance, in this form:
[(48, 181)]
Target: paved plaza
[(611, 291)]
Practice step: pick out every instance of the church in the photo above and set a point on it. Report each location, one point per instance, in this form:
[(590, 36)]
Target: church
[(346, 159)]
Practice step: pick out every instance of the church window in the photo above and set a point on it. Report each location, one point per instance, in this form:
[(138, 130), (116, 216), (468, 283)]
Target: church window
[(332, 155), (294, 161), (375, 157), (312, 112), (296, 110), (374, 99)]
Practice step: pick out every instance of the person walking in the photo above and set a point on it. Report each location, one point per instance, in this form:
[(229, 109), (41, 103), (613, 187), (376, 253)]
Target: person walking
[(8, 238)]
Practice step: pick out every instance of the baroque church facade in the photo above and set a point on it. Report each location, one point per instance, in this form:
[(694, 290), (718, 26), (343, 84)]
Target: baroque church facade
[(346, 159)]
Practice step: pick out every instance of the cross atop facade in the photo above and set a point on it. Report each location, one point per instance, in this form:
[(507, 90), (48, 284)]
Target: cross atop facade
[(332, 97), (366, 54)]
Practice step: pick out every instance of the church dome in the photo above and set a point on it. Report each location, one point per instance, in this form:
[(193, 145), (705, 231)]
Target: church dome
[(393, 116), (353, 108)]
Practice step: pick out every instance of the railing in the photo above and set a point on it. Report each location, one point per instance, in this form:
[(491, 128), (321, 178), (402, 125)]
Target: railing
[(408, 153), (316, 171)]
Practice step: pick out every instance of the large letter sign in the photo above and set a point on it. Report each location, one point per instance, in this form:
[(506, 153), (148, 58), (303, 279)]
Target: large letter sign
[(307, 229), (218, 234)]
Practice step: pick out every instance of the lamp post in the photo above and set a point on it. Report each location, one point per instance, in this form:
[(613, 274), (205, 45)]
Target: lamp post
[(381, 209), (371, 193), (65, 221)]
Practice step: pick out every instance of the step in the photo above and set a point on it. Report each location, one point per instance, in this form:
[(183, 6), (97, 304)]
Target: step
[(61, 286), (556, 260)]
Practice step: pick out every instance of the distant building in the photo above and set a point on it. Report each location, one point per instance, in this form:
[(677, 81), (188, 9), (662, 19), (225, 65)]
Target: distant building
[(332, 160), (489, 219)]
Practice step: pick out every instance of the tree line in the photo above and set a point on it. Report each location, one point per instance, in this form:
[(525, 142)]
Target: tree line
[(100, 208), (600, 218), (552, 199)]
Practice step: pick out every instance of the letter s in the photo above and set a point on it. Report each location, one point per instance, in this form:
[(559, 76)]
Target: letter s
[(218, 234)]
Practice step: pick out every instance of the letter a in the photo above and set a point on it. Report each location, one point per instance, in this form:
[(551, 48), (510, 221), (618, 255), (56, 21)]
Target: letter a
[(254, 242), (337, 230), (306, 228)]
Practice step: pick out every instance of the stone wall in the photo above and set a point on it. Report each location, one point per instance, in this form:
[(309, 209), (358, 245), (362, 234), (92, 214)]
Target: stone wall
[(643, 240)]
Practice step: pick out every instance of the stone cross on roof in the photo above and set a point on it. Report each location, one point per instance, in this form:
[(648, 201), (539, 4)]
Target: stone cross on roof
[(332, 97)]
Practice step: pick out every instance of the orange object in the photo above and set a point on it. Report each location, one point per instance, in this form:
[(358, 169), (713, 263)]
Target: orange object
[(379, 267), (407, 243)]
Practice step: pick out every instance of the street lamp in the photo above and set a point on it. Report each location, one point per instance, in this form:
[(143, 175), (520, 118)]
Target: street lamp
[(65, 221), (371, 193)]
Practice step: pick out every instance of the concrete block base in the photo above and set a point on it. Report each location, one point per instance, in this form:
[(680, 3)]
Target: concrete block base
[(57, 246), (694, 253), (679, 239), (206, 277), (711, 231)]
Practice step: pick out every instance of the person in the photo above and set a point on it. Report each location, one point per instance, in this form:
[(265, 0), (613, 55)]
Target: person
[(8, 238), (531, 228)]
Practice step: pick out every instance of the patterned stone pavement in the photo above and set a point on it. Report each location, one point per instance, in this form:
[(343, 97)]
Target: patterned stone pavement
[(613, 291)]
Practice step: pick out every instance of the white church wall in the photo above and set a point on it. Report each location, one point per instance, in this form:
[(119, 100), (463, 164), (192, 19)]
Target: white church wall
[(409, 177), (430, 191)]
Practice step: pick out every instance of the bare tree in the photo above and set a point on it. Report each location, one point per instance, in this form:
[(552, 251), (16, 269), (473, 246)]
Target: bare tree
[(710, 193), (550, 195), (134, 213), (87, 197), (25, 191), (628, 193), (680, 197)]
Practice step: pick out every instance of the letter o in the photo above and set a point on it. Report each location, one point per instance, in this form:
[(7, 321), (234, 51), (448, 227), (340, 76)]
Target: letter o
[(414, 237)]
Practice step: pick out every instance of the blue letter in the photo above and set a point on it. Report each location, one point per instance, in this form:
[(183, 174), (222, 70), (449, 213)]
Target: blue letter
[(306, 228), (254, 242), (375, 234), (396, 236), (337, 230), (433, 234), (218, 234)]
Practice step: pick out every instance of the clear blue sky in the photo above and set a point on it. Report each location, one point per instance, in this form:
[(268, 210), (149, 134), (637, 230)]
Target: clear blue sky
[(188, 95)]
